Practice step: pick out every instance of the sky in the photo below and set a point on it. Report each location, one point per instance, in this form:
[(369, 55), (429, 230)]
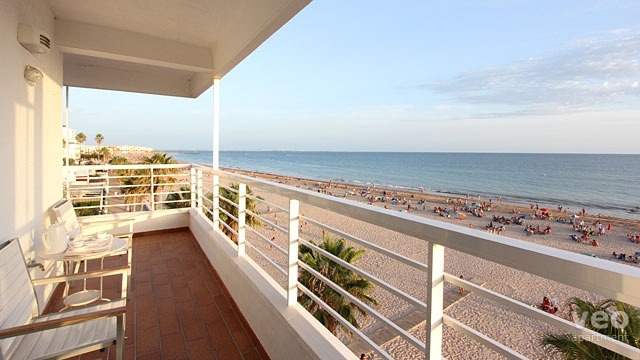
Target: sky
[(423, 76)]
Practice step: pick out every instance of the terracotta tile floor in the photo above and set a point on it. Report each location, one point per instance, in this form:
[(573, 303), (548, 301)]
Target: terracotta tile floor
[(178, 308)]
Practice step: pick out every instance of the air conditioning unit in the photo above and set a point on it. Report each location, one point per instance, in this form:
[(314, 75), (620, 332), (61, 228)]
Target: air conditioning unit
[(34, 40)]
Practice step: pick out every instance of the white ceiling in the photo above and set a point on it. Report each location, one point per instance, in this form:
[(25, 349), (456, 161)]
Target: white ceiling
[(167, 47)]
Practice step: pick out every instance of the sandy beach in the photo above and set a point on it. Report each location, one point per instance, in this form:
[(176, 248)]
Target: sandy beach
[(515, 331)]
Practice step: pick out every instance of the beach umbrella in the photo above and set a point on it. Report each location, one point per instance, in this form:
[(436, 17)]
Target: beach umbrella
[(544, 209)]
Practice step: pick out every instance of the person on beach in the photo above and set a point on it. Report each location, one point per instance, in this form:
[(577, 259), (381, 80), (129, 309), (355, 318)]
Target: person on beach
[(461, 289), (548, 306)]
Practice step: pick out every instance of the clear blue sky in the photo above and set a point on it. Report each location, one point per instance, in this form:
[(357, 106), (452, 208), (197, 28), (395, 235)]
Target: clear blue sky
[(374, 75)]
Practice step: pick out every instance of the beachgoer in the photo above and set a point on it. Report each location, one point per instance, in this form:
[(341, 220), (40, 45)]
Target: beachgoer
[(363, 357), (461, 289)]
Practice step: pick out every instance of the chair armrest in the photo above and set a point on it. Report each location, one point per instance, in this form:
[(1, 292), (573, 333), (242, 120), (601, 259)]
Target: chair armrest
[(80, 276), (60, 322)]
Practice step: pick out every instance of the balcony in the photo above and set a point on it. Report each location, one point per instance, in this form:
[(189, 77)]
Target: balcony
[(177, 209), (177, 307)]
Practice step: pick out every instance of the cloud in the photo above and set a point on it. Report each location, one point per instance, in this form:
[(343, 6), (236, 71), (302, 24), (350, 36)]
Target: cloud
[(587, 73)]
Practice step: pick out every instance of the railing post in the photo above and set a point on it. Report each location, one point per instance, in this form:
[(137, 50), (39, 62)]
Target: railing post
[(192, 190), (435, 288), (199, 189), (216, 202), (67, 187), (242, 218), (153, 196), (292, 275)]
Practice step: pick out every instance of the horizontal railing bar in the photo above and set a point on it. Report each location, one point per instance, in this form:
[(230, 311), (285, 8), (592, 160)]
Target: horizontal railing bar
[(269, 260), (228, 214), (344, 322), (408, 261), (206, 210), (398, 330), (229, 228), (395, 291), (282, 229), (207, 201), (271, 243), (128, 167), (228, 201), (229, 188), (482, 339), (90, 186), (269, 203)]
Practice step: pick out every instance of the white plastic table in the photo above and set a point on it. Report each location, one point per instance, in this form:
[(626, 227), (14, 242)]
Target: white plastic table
[(72, 259)]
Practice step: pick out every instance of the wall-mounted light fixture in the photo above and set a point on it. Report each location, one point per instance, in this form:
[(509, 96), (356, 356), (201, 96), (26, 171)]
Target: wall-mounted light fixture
[(32, 74)]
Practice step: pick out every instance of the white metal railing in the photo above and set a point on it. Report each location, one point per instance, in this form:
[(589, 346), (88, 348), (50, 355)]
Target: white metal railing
[(123, 188), (604, 278), (601, 277)]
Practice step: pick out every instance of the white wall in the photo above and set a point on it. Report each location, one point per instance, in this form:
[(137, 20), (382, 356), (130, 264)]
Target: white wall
[(30, 122)]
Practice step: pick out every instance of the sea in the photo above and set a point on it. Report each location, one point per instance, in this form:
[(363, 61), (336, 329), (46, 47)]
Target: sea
[(601, 183)]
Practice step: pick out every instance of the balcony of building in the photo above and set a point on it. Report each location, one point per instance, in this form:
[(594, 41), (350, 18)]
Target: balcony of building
[(181, 240)]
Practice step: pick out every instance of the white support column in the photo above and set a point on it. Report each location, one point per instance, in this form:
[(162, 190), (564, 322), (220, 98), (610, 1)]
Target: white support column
[(435, 288), (67, 132), (242, 218), (153, 196), (193, 187), (199, 190), (292, 275), (216, 202), (216, 124)]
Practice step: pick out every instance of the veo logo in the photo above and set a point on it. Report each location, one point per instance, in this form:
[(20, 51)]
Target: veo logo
[(601, 319)]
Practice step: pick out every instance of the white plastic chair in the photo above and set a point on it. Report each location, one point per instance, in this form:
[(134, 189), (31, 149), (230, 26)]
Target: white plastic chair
[(64, 212), (24, 335)]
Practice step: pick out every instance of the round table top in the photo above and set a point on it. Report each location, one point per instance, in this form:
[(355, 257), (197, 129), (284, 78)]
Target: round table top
[(88, 251)]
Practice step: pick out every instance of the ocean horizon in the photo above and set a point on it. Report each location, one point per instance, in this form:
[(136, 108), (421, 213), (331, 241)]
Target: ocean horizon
[(604, 184)]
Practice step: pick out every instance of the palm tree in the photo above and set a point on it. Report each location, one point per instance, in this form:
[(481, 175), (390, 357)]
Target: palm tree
[(119, 160), (571, 347), (80, 138), (139, 185), (159, 158), (180, 199), (353, 283), (105, 153), (99, 139), (232, 196)]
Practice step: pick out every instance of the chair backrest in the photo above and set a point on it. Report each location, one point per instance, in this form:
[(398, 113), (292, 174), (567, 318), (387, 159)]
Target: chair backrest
[(64, 212), (18, 301)]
